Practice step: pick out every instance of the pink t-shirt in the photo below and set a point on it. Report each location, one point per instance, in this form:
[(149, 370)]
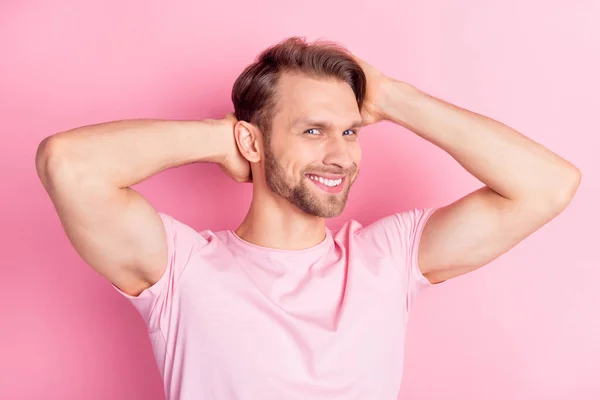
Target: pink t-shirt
[(231, 320)]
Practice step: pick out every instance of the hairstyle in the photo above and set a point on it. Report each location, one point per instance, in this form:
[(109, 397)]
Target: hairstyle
[(254, 92)]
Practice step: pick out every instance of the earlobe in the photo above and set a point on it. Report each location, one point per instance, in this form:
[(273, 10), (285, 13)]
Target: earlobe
[(246, 137)]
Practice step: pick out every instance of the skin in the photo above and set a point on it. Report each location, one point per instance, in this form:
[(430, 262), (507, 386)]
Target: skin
[(88, 173), (288, 209)]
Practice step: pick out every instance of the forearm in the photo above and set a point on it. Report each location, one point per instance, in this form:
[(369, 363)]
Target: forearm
[(508, 162), (127, 152)]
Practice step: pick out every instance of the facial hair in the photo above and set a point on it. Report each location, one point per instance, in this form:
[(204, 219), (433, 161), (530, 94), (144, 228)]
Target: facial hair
[(300, 195)]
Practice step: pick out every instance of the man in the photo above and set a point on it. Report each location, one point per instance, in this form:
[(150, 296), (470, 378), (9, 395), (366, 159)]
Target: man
[(282, 307)]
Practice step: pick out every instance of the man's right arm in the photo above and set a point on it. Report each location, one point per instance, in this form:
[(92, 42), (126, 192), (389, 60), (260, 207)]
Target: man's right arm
[(87, 173)]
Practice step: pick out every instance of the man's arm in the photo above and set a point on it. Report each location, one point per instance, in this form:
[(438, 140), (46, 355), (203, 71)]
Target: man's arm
[(87, 173), (527, 185)]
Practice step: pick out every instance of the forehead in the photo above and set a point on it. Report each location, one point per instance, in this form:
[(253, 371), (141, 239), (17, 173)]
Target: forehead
[(299, 96)]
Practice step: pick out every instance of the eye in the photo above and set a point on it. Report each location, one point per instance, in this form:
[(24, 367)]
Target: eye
[(310, 131), (349, 132)]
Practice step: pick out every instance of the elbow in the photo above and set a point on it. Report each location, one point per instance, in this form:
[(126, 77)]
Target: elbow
[(50, 160), (570, 186), (43, 156), (551, 199), (565, 190)]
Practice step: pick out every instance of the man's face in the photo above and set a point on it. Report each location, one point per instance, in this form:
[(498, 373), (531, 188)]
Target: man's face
[(312, 157)]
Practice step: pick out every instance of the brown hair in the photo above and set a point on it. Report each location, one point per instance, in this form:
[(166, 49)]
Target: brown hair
[(254, 91)]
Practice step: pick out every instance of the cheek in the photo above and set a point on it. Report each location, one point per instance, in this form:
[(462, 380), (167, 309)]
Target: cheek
[(356, 154), (301, 158), (292, 166)]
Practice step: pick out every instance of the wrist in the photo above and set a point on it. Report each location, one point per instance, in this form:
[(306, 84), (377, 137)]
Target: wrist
[(397, 100), (215, 138)]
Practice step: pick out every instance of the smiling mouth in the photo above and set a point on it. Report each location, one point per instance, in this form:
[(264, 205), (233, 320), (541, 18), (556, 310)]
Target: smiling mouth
[(326, 181), (332, 184)]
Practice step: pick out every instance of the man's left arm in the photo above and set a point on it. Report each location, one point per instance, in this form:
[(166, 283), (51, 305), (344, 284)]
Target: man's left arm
[(526, 185)]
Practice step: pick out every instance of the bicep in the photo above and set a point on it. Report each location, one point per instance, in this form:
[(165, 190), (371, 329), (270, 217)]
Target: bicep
[(116, 231), (473, 231)]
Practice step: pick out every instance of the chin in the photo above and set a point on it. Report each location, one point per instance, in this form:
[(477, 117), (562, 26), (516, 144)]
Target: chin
[(327, 212)]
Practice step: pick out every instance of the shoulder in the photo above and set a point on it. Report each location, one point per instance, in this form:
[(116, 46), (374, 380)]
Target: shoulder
[(403, 221), (184, 236), (395, 230)]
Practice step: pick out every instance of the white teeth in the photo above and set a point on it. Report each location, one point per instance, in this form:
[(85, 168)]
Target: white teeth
[(326, 182)]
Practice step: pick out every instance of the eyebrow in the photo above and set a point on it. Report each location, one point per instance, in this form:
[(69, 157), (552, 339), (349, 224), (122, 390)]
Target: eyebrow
[(323, 124)]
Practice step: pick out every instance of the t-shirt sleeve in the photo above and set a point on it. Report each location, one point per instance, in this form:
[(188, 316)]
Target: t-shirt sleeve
[(399, 236), (155, 303)]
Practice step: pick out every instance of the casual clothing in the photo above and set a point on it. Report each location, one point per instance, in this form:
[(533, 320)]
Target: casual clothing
[(232, 320)]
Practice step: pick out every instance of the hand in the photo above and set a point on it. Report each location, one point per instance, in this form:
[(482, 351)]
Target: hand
[(374, 103), (233, 164)]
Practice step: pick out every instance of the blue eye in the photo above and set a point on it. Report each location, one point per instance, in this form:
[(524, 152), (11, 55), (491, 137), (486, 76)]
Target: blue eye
[(315, 131)]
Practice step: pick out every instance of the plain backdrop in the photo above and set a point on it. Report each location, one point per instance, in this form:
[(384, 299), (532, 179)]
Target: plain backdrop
[(526, 326)]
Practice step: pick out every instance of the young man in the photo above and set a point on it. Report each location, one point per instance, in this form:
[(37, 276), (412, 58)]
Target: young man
[(282, 307)]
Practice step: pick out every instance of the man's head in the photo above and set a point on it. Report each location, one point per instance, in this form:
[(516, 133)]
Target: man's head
[(300, 106)]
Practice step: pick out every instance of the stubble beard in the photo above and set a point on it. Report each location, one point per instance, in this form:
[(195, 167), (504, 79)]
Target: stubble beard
[(300, 195)]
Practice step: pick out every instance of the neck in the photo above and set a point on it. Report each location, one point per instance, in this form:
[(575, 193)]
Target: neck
[(274, 222)]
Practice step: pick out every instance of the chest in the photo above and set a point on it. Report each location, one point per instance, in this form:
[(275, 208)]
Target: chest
[(338, 330)]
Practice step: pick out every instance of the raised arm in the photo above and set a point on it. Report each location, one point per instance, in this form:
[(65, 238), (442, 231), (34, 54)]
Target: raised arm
[(87, 173), (526, 185)]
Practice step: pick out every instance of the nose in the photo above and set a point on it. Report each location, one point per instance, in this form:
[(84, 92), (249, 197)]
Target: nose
[(341, 153)]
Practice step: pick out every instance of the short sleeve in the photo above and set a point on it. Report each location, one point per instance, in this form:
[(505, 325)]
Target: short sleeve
[(399, 235), (155, 303)]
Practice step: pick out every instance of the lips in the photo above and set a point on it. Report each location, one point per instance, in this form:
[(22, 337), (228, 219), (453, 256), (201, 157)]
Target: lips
[(328, 183)]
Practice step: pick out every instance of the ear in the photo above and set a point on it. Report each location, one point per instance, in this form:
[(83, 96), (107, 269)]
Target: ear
[(247, 137)]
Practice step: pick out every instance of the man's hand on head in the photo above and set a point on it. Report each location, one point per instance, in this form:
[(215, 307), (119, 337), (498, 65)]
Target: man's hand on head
[(376, 95), (232, 162)]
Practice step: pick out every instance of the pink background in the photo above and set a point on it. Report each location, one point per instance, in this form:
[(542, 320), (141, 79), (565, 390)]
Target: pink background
[(526, 326)]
